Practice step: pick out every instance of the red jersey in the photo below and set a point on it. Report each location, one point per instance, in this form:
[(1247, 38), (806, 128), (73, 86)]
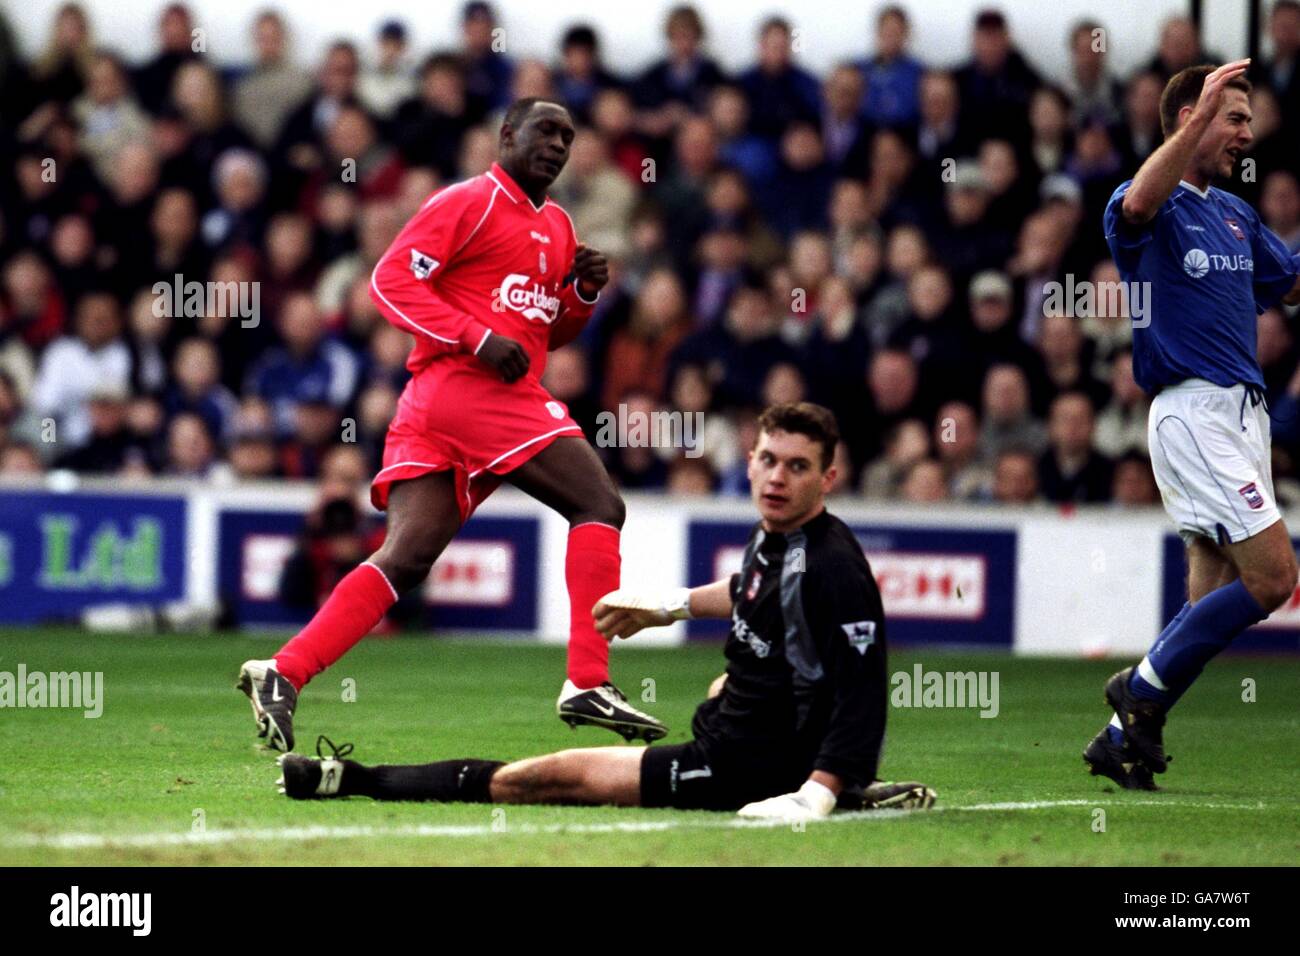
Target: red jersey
[(480, 257), (477, 258)]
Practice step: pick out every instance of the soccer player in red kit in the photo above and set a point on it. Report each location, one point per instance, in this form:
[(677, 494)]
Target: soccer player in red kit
[(488, 277)]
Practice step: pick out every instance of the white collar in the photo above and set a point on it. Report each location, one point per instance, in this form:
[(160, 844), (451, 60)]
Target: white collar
[(1203, 193)]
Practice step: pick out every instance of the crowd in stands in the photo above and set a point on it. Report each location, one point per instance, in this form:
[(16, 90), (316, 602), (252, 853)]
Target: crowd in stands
[(882, 239)]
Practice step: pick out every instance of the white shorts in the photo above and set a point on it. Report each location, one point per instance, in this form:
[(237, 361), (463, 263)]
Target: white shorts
[(1212, 460)]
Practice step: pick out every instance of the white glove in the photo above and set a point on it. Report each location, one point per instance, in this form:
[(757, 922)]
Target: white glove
[(812, 801), (623, 612)]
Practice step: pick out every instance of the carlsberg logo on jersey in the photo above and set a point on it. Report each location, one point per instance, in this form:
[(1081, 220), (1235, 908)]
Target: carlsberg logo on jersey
[(1198, 262), (531, 302)]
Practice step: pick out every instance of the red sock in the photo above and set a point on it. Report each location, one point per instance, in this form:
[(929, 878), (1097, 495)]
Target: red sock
[(591, 569), (357, 604)]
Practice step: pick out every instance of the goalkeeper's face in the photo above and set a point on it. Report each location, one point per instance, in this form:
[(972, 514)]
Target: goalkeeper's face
[(787, 480)]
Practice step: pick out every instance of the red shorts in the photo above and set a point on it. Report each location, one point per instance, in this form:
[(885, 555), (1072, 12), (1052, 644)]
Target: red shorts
[(453, 417)]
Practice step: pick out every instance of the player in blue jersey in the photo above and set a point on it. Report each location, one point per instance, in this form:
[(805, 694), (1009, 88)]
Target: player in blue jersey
[(1210, 267)]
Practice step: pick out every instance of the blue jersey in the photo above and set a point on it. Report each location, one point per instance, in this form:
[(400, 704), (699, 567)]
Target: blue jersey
[(1211, 268)]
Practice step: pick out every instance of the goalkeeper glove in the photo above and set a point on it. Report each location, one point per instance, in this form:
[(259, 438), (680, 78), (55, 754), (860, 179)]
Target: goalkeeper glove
[(812, 801), (623, 612)]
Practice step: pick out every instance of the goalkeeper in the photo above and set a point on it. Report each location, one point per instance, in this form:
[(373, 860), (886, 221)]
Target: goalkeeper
[(791, 730)]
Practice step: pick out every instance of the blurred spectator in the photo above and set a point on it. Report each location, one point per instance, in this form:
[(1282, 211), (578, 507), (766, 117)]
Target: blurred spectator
[(33, 312), (995, 340), (239, 179), (751, 154), (1015, 477), (198, 389), (1067, 361), (925, 483), (273, 86), (74, 365), (690, 477), (1280, 206), (906, 444), (1071, 470), (737, 353), (300, 145), (488, 71), (1008, 422), (638, 354), (308, 368), (1122, 423), (430, 127), (60, 72), (1134, 485), (682, 81), (1281, 71), (957, 447), (998, 81), (892, 77), (942, 132), (596, 195), (637, 467), (1140, 133), (391, 79), (176, 47), (1051, 133), (191, 451), (843, 131), (377, 227), (199, 97), (105, 448), (107, 114), (779, 92), (931, 334), (1093, 92), (581, 74), (1179, 48)]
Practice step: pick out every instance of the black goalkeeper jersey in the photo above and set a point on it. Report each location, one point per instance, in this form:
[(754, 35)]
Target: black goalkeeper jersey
[(806, 679)]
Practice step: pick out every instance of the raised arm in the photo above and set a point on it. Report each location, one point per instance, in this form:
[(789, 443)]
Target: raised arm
[(1159, 175)]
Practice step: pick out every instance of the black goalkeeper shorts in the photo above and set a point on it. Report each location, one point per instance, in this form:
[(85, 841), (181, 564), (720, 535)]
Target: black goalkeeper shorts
[(689, 777)]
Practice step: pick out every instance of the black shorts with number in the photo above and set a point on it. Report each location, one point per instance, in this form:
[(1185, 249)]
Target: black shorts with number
[(690, 776)]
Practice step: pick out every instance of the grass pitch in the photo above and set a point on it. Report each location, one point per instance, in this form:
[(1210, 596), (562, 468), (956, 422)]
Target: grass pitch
[(169, 774)]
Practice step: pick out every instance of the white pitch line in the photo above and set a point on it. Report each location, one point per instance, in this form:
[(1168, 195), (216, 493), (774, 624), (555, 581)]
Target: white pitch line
[(81, 841)]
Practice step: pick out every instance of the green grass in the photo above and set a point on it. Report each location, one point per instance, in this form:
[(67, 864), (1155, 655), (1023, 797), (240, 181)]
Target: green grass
[(175, 737)]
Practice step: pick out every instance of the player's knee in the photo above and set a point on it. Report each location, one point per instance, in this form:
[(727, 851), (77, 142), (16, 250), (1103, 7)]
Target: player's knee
[(607, 508), (407, 566), (1274, 588)]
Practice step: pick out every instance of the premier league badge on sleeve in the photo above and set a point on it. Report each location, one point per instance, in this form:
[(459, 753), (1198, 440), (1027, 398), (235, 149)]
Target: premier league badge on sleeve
[(422, 266), (861, 634)]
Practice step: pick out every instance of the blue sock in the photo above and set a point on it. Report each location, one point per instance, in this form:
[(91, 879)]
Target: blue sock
[(1112, 729), (1181, 652), (1140, 685)]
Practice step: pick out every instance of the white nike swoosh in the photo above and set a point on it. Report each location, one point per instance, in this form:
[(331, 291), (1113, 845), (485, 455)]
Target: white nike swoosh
[(275, 691), (607, 711)]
